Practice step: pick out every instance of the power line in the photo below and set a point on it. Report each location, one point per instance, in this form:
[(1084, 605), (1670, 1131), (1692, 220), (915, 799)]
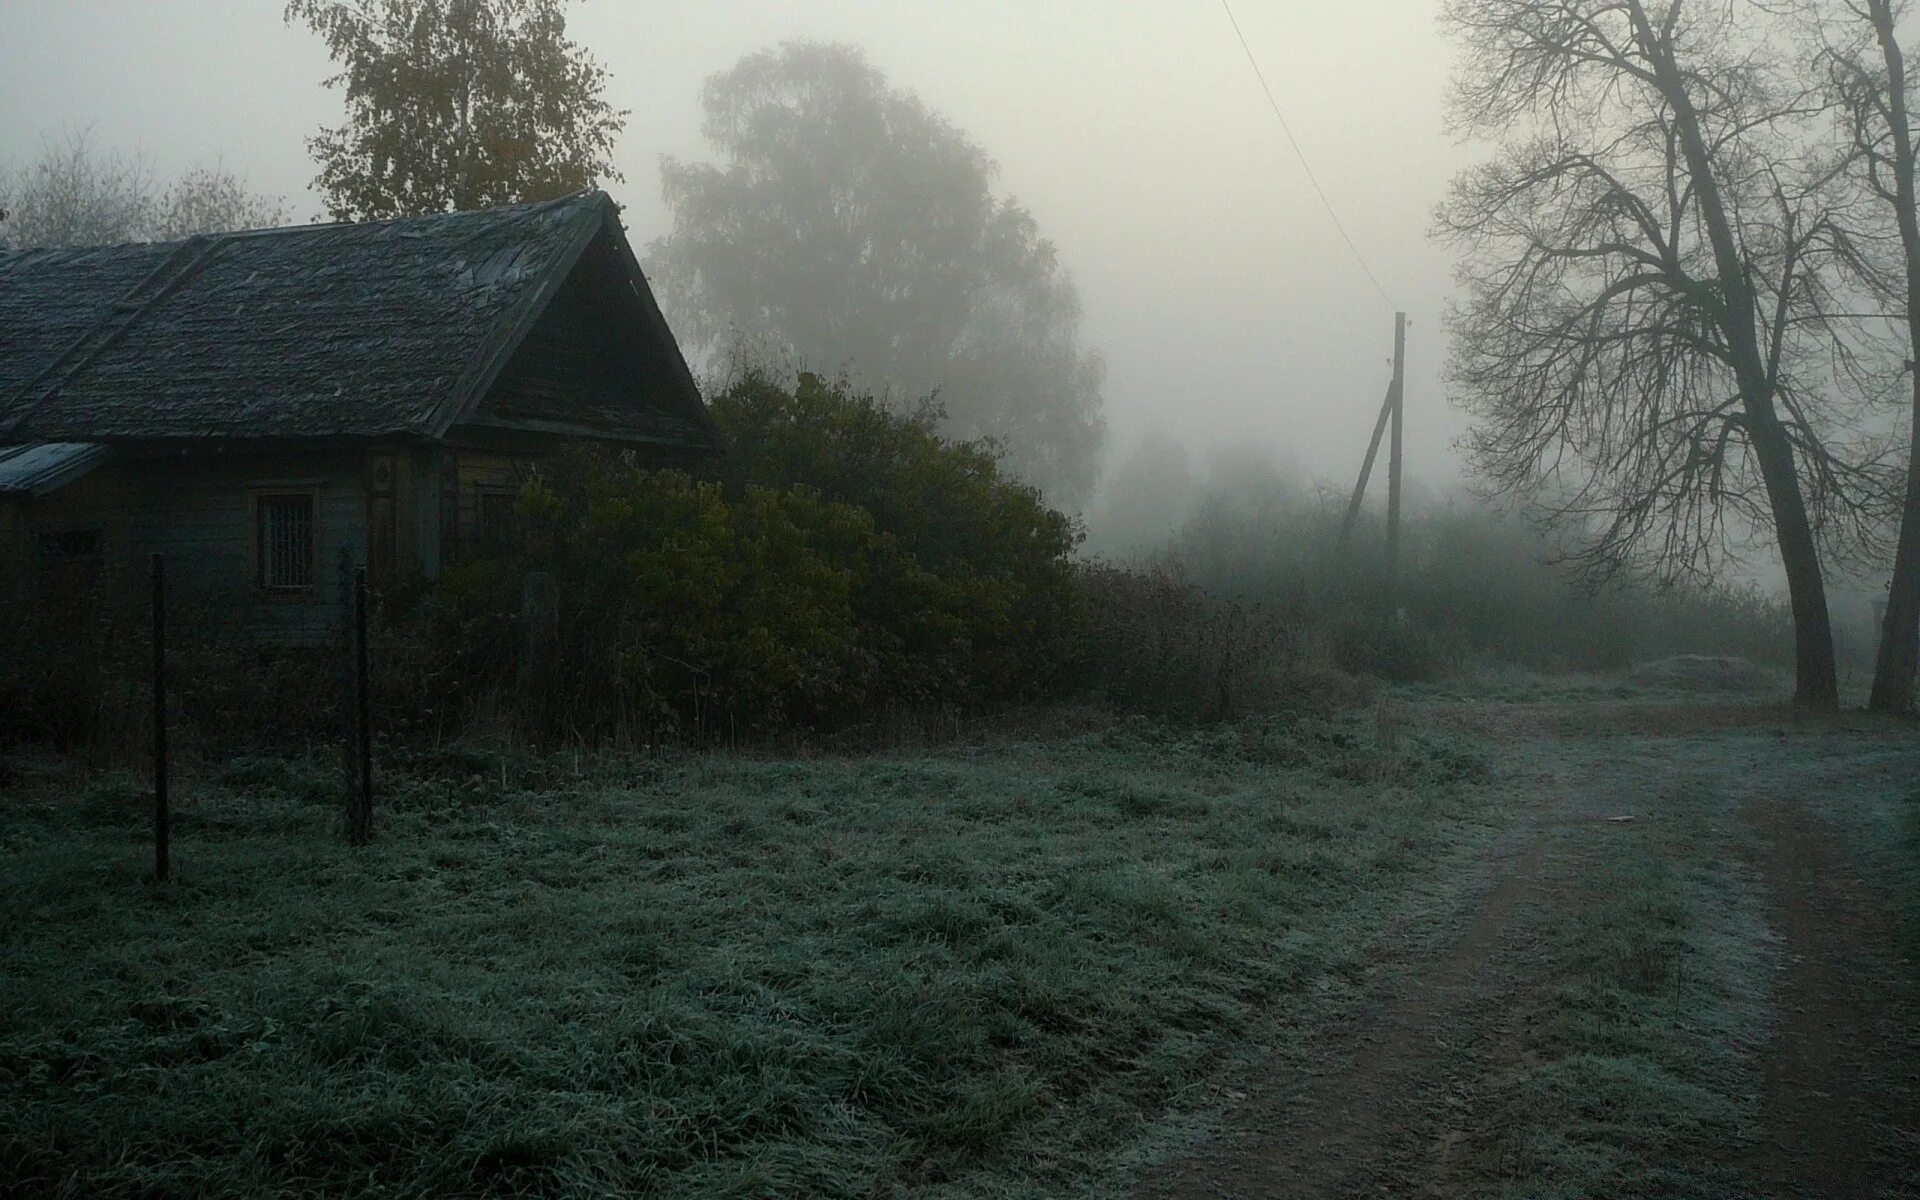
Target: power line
[(1297, 153)]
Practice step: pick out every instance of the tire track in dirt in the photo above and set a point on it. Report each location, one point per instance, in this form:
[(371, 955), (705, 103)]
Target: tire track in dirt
[(1383, 1114), (1819, 1101), (1387, 1104)]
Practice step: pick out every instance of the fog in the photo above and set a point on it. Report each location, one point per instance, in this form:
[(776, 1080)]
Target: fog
[(1228, 309)]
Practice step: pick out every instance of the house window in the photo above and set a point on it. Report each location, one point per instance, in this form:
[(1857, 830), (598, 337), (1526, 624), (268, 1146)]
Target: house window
[(63, 546), (493, 513), (283, 546)]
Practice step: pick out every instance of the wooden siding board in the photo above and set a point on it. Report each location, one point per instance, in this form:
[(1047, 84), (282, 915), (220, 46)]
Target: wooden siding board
[(589, 362), (200, 515)]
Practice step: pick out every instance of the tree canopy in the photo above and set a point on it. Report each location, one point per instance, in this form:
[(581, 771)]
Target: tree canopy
[(850, 227), (1649, 331), (78, 194), (1865, 73), (457, 104)]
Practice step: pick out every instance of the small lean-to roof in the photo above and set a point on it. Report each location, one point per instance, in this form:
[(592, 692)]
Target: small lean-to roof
[(37, 469), (382, 329)]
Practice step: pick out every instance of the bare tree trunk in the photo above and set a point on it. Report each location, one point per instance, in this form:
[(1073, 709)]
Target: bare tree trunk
[(1899, 653), (1816, 683)]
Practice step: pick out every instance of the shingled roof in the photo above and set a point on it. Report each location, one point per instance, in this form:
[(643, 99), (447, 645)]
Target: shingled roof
[(375, 330)]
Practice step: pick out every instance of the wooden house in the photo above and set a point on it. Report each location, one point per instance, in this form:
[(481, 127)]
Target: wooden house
[(270, 408)]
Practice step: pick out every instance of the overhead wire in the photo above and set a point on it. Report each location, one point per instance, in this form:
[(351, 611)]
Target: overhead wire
[(1294, 142)]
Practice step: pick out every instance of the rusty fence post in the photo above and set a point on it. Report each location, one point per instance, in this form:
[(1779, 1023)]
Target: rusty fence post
[(162, 818), (360, 816)]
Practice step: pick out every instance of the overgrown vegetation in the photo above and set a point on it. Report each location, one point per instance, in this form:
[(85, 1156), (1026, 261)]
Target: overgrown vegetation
[(982, 970), (1472, 585), (845, 571), (842, 560)]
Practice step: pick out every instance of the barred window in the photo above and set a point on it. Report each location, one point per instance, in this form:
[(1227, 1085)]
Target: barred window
[(493, 513), (69, 546), (284, 542)]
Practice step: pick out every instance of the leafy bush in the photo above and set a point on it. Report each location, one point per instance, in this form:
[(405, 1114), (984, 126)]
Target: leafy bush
[(843, 559), (990, 548), (1369, 642)]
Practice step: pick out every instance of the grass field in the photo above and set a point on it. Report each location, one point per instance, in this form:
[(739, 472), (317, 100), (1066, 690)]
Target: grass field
[(977, 971)]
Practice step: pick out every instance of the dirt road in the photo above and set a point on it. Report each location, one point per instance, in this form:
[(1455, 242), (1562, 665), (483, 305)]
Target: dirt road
[(1680, 972)]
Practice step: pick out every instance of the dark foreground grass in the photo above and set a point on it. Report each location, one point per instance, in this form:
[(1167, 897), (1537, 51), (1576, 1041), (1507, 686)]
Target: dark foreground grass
[(976, 971), (1639, 1075)]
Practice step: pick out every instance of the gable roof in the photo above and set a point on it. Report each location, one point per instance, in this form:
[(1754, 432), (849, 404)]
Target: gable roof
[(381, 329)]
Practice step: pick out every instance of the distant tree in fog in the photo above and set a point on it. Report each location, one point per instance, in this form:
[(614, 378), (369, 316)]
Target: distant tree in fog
[(1145, 499), (212, 200), (1644, 342), (853, 228), (457, 104), (77, 194)]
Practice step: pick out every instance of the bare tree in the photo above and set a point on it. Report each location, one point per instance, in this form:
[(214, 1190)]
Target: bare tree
[(211, 200), (1866, 70), (77, 194), (1646, 341)]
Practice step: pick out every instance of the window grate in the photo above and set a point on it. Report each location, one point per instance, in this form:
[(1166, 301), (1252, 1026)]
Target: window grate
[(493, 513), (286, 543), (69, 545)]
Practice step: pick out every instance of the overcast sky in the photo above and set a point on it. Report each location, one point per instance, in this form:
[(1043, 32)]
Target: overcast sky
[(1226, 305)]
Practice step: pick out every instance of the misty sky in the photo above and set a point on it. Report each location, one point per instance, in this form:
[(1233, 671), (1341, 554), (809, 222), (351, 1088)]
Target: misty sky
[(1226, 306)]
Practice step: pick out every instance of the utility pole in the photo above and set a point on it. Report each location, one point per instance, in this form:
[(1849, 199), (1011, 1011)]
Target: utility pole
[(1396, 396), (1366, 468), (1391, 410)]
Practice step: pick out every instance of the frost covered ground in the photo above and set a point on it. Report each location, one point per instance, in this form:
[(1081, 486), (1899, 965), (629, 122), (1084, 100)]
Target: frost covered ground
[(989, 968), (1543, 941)]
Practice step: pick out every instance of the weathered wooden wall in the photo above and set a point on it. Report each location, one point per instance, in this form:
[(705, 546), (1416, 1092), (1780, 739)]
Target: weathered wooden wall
[(198, 511), (424, 501)]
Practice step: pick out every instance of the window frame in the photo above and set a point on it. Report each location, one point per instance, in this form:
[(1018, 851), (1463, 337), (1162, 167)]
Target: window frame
[(49, 553), (258, 498), (485, 495)]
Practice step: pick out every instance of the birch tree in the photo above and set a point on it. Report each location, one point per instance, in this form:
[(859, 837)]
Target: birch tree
[(457, 104), (851, 228)]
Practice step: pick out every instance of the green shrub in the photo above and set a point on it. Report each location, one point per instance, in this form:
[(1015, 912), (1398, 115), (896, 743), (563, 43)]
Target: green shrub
[(842, 560), (1372, 643), (982, 546)]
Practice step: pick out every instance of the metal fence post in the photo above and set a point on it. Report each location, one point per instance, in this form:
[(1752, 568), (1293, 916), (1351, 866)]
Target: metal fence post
[(162, 818), (360, 825)]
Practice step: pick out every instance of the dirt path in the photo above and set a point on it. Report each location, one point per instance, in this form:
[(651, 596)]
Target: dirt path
[(1399, 1061), (1390, 1105), (1826, 1103)]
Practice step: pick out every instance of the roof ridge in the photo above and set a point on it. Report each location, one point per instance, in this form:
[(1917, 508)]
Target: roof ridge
[(314, 226)]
